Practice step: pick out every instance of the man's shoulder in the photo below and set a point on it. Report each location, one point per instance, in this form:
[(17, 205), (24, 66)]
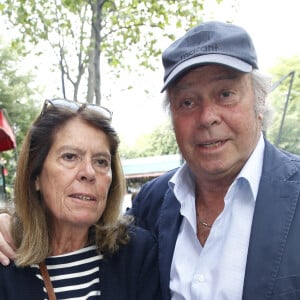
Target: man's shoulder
[(157, 186), (279, 153), (292, 156), (279, 161), (141, 241), (164, 178), (148, 202)]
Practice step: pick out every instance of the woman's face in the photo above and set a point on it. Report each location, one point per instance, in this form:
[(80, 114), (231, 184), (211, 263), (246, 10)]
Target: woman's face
[(76, 175)]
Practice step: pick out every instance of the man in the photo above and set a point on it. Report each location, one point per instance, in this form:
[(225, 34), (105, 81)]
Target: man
[(227, 220)]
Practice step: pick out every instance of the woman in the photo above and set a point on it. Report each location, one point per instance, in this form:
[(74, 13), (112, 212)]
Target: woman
[(67, 223)]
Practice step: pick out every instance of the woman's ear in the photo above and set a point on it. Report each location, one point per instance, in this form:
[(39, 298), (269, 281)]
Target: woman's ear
[(37, 184)]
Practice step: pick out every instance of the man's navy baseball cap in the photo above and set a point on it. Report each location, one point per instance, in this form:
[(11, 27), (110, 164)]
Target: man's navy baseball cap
[(209, 43)]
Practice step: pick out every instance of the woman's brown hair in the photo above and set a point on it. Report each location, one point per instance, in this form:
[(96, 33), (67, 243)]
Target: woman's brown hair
[(30, 228)]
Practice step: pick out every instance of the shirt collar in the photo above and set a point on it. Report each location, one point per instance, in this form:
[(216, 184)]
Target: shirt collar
[(182, 183)]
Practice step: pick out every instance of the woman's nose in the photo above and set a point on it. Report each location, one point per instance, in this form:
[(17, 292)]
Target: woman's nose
[(86, 171)]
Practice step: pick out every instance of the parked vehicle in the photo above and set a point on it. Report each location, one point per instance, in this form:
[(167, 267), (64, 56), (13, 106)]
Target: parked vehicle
[(7, 142)]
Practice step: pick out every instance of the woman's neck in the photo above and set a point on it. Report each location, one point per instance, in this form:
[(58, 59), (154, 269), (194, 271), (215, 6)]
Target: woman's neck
[(65, 240)]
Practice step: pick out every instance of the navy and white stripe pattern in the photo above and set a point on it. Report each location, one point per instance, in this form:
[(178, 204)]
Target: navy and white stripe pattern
[(74, 275)]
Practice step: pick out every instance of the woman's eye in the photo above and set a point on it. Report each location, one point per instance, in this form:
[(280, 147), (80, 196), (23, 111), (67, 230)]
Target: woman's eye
[(69, 156), (103, 163)]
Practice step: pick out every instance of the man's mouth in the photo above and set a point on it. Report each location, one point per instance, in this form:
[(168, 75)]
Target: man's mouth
[(212, 144)]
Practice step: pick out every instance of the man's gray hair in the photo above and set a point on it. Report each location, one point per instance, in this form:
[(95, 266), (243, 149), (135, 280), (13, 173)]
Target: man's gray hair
[(261, 86)]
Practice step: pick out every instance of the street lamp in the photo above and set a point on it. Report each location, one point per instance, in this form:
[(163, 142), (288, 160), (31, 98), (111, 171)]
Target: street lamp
[(275, 85)]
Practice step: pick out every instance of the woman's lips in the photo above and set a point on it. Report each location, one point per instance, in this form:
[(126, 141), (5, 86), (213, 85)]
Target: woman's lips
[(83, 197)]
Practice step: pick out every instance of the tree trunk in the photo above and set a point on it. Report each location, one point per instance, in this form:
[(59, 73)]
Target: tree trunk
[(62, 72), (94, 83), (98, 19), (91, 69)]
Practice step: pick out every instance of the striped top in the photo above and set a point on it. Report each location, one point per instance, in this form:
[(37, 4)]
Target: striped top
[(74, 275)]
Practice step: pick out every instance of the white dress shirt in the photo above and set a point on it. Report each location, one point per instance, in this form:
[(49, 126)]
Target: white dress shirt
[(215, 271)]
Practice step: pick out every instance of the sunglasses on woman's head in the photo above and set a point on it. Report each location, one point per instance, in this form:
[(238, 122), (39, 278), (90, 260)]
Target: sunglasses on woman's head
[(75, 106)]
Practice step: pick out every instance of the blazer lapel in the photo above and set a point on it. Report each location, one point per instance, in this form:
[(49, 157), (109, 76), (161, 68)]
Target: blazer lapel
[(274, 210), (170, 220)]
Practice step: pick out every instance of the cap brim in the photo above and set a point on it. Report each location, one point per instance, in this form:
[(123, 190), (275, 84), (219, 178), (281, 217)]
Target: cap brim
[(221, 59)]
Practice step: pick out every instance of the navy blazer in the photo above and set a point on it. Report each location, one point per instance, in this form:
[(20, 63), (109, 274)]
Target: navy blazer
[(273, 261), (129, 274)]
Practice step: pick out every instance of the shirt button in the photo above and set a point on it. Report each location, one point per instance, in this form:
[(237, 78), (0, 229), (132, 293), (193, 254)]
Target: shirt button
[(201, 278)]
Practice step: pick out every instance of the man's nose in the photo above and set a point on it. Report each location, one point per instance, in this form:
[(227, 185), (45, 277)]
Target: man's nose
[(208, 115)]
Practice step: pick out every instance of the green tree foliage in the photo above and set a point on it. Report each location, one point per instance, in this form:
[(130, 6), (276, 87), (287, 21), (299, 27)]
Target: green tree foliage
[(290, 135), (80, 32), (16, 97), (161, 141)]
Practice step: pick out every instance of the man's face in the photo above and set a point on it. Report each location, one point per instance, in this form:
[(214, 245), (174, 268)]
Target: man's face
[(214, 118)]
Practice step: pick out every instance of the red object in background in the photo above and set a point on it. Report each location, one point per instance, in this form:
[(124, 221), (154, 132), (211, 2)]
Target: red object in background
[(7, 137)]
